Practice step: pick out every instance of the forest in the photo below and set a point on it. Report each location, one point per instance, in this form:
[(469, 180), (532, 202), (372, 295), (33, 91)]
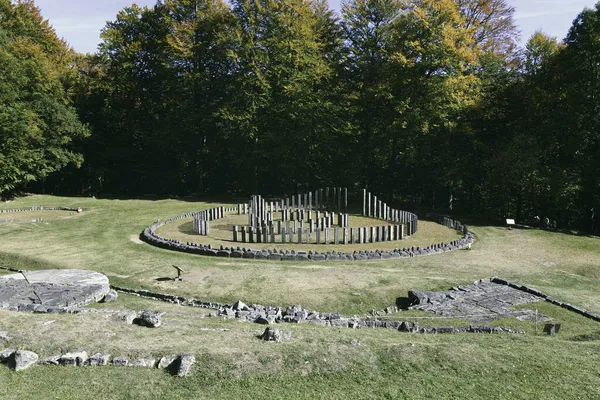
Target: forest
[(431, 103)]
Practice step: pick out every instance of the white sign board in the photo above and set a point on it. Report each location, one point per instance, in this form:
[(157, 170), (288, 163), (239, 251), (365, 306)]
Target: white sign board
[(510, 221)]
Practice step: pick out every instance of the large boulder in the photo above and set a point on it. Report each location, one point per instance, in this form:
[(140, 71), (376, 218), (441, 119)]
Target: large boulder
[(23, 359), (271, 335), (151, 319), (185, 363)]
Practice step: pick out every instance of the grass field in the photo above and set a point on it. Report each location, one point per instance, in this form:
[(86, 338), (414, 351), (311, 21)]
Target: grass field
[(317, 362)]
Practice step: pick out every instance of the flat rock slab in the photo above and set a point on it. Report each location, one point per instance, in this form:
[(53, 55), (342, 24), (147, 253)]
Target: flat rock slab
[(482, 301), (52, 288)]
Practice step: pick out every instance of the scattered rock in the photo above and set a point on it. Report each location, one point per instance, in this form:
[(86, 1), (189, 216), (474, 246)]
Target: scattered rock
[(271, 335), (151, 319), (265, 320), (185, 363), (23, 359), (110, 296), (4, 336), (143, 362), (166, 361), (6, 354), (52, 360), (74, 359), (120, 361), (239, 306), (126, 316), (98, 359)]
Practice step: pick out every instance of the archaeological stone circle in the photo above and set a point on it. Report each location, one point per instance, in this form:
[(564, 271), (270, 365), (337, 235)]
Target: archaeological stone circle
[(320, 217)]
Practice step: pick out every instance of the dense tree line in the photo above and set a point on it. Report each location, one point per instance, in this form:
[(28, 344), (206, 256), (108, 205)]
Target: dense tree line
[(428, 102)]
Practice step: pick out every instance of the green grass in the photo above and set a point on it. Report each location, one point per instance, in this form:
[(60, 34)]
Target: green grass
[(317, 362)]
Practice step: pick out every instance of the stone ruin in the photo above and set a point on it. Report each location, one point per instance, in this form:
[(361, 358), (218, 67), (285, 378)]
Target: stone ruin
[(295, 226), (297, 219), (52, 290)]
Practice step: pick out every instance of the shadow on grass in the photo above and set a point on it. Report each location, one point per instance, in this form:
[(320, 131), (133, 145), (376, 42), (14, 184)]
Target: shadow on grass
[(586, 337), (403, 303)]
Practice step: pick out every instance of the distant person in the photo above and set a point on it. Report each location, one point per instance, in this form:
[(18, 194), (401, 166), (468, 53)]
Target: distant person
[(536, 221), (546, 223)]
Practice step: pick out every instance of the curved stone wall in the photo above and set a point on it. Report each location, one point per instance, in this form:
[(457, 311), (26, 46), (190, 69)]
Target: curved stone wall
[(150, 236), (35, 208)]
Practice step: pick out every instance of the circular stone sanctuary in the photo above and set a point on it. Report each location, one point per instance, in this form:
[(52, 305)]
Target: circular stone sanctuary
[(318, 219), (48, 290)]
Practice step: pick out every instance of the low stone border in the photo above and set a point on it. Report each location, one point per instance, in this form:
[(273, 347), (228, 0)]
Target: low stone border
[(36, 208), (150, 236), (10, 269), (552, 300), (268, 315), (40, 208), (23, 359)]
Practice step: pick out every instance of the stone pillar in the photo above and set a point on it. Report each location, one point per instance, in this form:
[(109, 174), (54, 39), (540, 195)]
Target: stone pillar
[(312, 225), (345, 235), (373, 234), (339, 199), (336, 235), (345, 199), (251, 234), (374, 206), (361, 236), (401, 232), (352, 235), (235, 233), (385, 234), (318, 233), (272, 229), (279, 227), (299, 235), (310, 200), (259, 235), (364, 202), (326, 235), (307, 235), (283, 235)]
